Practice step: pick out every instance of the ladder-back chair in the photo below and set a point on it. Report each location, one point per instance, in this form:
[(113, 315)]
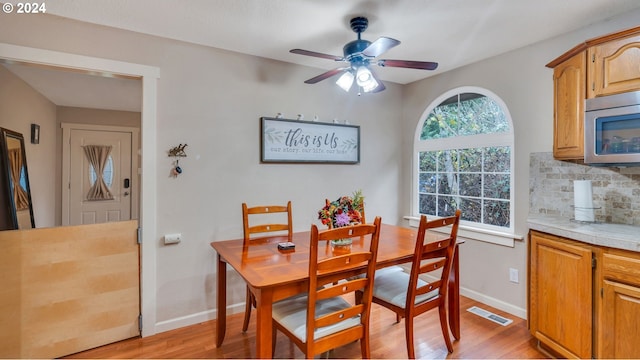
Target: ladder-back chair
[(409, 295), (263, 225), (322, 319)]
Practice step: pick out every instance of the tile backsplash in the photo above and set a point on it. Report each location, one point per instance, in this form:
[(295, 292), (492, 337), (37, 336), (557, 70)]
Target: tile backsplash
[(616, 191)]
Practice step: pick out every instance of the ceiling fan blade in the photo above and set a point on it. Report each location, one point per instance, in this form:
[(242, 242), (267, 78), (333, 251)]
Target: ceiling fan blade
[(325, 75), (423, 65), (380, 46), (316, 54)]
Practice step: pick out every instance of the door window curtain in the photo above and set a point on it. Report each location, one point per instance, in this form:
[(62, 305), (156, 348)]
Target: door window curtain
[(19, 194), (98, 155)]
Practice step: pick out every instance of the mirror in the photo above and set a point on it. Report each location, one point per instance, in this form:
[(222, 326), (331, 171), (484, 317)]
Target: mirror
[(17, 209)]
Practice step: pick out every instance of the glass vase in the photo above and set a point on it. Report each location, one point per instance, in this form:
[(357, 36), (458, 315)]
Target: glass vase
[(342, 242)]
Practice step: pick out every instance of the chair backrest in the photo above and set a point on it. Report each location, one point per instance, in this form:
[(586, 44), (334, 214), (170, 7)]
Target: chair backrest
[(323, 284), (431, 256), (266, 227)]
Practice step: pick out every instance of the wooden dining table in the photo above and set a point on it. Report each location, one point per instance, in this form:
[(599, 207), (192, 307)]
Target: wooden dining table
[(274, 274)]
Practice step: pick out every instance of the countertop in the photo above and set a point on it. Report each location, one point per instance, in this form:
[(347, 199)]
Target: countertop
[(618, 236)]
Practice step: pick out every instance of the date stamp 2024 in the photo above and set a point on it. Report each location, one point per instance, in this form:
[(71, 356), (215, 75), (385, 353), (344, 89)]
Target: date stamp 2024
[(24, 8)]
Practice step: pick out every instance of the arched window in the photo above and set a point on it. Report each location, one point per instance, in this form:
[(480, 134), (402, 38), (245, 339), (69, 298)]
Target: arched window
[(463, 159)]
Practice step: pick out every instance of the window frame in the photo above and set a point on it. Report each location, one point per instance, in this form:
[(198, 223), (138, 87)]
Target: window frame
[(484, 232)]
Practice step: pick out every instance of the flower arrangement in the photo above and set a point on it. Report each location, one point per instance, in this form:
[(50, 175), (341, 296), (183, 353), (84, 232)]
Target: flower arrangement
[(346, 210)]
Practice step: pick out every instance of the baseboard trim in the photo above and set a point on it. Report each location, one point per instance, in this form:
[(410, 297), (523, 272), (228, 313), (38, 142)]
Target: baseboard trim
[(176, 323), (493, 302)]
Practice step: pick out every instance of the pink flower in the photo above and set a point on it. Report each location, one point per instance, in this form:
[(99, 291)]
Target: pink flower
[(342, 219)]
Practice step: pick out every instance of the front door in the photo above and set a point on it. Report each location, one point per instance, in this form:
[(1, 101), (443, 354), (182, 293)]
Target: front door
[(81, 203)]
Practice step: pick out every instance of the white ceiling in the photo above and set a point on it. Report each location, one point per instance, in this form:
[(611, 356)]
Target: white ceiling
[(453, 33), (76, 89)]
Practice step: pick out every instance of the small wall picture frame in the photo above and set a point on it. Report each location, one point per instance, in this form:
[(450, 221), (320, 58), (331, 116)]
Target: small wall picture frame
[(35, 134)]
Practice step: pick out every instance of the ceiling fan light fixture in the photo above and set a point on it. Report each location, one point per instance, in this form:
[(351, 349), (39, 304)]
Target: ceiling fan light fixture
[(370, 86), (363, 75), (365, 79), (345, 81)]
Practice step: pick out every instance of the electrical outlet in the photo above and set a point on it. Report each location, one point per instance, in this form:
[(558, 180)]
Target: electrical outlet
[(513, 275), (172, 238)]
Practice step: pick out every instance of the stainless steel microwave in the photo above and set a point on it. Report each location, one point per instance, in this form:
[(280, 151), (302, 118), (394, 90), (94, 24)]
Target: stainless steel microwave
[(612, 130)]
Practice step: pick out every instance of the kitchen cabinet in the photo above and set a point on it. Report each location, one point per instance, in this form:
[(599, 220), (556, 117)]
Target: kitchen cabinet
[(560, 294), (568, 107), (584, 300), (620, 310), (601, 66), (613, 67)]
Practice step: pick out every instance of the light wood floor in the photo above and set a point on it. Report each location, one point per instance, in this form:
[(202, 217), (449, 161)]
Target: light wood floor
[(480, 339)]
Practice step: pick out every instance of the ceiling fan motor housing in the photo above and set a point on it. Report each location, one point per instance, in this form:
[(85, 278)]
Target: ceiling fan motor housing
[(353, 51)]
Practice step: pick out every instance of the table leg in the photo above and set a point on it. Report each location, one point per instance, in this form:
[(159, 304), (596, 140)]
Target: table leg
[(264, 323), (454, 295), (221, 323)]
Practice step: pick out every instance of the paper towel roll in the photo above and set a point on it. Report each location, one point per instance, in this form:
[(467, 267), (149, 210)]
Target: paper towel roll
[(583, 200)]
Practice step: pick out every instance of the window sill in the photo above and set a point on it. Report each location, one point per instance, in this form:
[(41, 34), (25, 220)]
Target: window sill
[(469, 232)]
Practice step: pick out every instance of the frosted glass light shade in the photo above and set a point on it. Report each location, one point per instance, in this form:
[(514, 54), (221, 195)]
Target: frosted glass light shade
[(345, 81)]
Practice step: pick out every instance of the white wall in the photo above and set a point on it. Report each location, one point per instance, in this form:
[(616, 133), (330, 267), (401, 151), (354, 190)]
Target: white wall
[(212, 100), (522, 81), (21, 106)]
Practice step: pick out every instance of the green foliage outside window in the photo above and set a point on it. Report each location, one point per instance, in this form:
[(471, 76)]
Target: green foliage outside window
[(475, 180), (464, 114)]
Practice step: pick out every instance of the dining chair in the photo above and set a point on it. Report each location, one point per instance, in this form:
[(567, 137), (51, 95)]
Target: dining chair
[(263, 225), (321, 319), (409, 294)]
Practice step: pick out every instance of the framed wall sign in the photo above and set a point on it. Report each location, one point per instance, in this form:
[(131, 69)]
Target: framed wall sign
[(294, 141)]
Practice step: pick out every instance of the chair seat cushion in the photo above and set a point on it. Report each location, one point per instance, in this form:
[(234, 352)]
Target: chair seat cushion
[(392, 286), (291, 313)]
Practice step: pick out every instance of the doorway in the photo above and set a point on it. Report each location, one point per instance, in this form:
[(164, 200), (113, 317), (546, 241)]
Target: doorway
[(148, 220)]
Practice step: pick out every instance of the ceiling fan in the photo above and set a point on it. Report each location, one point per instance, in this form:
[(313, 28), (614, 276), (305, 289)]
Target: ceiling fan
[(360, 54)]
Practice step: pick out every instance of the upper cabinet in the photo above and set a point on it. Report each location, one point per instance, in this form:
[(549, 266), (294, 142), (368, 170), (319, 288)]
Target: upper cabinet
[(568, 107), (614, 66), (602, 66)]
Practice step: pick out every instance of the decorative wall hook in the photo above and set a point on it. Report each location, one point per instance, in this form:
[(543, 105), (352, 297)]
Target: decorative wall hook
[(177, 152)]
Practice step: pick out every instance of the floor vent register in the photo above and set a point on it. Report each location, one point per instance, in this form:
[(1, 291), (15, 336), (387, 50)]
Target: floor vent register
[(489, 315)]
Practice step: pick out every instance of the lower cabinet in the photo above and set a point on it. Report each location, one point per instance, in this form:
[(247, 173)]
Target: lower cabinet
[(584, 300), (619, 330), (560, 295)]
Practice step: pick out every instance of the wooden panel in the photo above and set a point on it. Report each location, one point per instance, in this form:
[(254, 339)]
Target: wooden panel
[(68, 289), (623, 266), (561, 295), (621, 321), (569, 93), (614, 67)]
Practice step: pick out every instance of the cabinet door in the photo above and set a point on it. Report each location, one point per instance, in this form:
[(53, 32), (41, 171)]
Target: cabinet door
[(561, 295), (569, 79), (620, 321), (614, 67)]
